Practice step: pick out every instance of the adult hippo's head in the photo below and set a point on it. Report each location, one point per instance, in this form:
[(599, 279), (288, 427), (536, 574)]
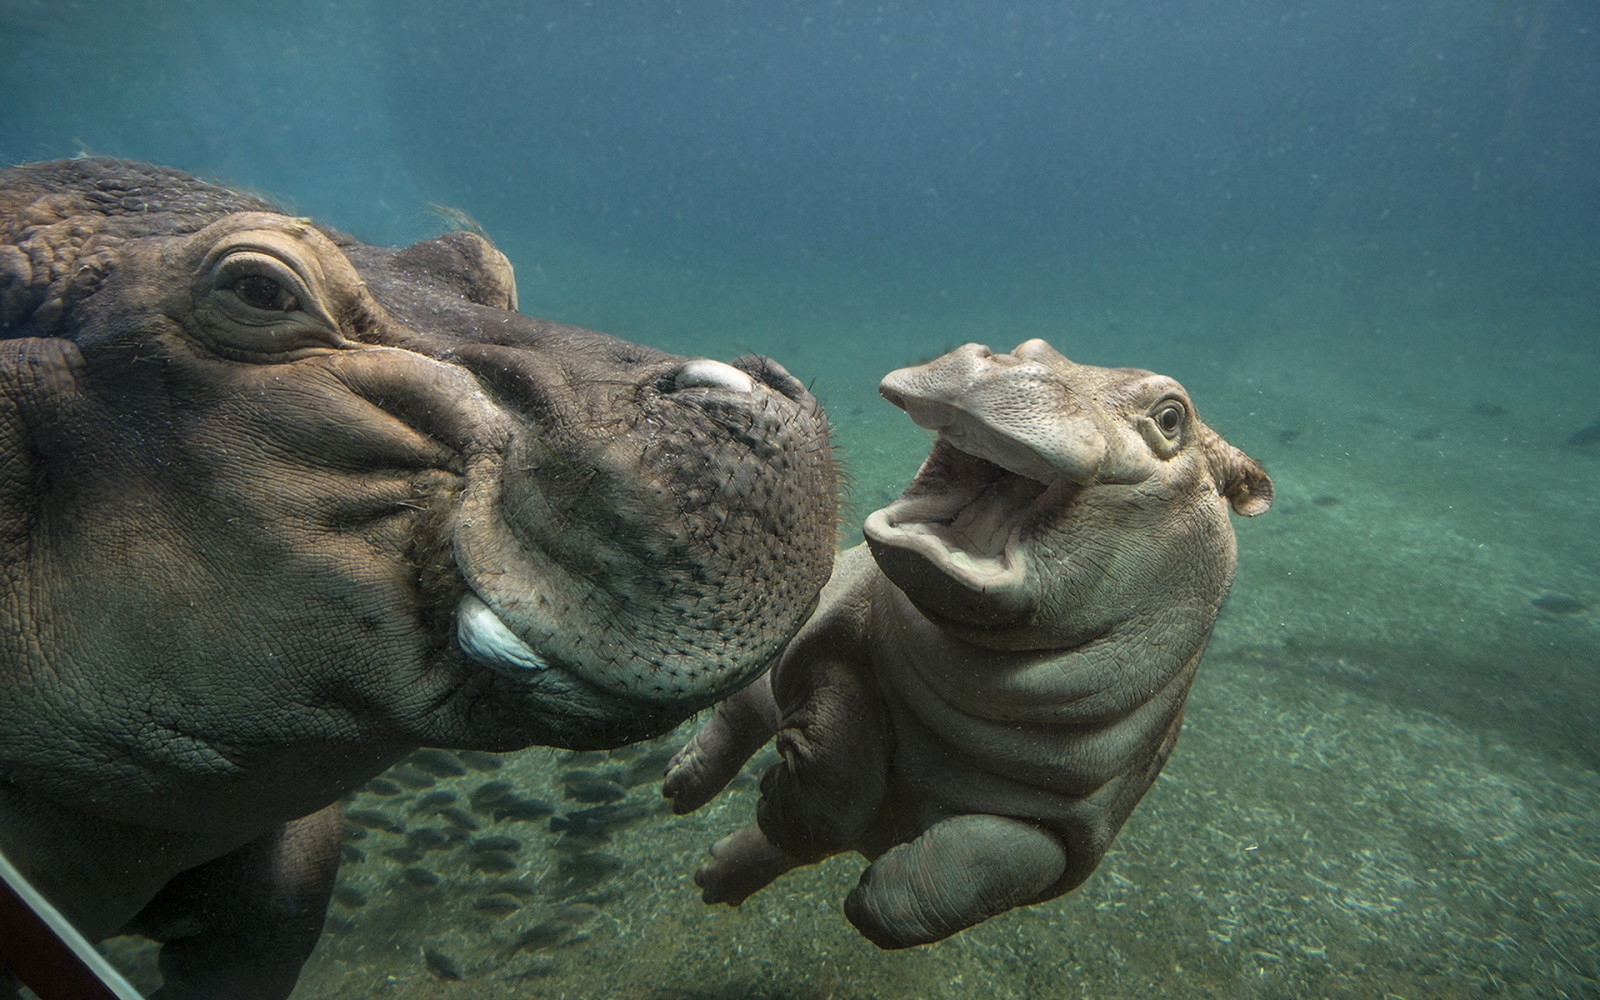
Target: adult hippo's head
[(272, 493)]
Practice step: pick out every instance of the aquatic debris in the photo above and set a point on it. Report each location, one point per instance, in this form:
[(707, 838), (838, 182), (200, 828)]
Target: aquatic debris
[(1585, 436), (373, 819), (1559, 604), (442, 965), (439, 763)]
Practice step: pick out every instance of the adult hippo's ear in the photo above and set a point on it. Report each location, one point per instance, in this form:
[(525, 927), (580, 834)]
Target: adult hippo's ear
[(1239, 478), (467, 263)]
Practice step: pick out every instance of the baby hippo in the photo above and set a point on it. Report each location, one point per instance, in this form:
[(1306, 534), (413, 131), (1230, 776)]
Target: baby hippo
[(992, 682)]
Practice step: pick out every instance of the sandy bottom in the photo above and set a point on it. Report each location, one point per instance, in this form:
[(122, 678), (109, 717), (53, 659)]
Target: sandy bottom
[(1386, 786)]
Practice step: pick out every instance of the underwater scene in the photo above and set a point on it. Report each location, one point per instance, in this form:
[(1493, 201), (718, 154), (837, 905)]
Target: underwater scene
[(1364, 237)]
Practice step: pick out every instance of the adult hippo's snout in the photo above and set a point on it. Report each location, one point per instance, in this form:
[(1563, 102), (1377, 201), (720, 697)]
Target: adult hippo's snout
[(630, 552)]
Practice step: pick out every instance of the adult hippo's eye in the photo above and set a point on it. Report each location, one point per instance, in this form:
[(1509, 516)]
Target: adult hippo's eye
[(1169, 417), (263, 296), (261, 292)]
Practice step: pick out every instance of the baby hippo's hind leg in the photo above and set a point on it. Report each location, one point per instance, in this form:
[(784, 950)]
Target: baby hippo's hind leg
[(959, 872), (741, 863)]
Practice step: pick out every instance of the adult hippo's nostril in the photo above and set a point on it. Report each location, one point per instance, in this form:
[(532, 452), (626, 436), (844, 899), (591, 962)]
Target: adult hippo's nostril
[(774, 376), (708, 374)]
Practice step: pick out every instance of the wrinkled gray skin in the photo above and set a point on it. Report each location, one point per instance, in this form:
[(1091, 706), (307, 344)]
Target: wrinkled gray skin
[(277, 506), (992, 682)]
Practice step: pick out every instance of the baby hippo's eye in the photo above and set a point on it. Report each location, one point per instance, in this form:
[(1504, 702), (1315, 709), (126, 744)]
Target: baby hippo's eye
[(1169, 417), (261, 292)]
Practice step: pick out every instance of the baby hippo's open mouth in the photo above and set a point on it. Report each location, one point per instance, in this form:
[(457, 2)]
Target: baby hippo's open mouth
[(963, 516), (1013, 440)]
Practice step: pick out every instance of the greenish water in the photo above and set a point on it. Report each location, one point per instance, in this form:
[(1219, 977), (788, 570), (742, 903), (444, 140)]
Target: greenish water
[(1363, 236)]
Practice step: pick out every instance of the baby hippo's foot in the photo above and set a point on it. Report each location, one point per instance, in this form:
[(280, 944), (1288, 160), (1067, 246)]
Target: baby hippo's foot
[(959, 872), (712, 758), (741, 863)]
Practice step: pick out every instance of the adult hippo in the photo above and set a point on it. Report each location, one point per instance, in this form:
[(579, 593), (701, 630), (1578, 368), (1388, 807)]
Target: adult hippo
[(279, 506), (992, 682)]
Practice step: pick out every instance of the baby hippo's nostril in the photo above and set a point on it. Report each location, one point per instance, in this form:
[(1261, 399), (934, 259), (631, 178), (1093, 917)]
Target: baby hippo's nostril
[(708, 374)]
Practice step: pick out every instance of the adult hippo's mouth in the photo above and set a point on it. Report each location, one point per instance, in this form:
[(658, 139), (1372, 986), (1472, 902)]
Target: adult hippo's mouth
[(627, 576)]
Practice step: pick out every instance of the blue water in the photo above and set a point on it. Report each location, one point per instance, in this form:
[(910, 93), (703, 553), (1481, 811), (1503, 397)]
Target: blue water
[(1365, 234)]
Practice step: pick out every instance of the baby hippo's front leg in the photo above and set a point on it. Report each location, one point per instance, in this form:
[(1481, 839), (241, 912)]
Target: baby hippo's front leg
[(959, 872)]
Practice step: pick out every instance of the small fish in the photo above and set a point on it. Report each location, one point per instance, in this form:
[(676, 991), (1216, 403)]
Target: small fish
[(577, 914), (494, 862), (439, 763), (382, 786), (581, 873), (612, 816), (443, 965), (496, 843), (544, 934), (480, 761), (404, 855), (352, 854), (457, 816), (498, 904), (522, 809), (433, 801), (372, 819), (578, 774), (429, 838), (520, 888), (595, 790), (649, 768), (571, 843), (1559, 604), (422, 878), (345, 895), (410, 777), (1583, 437), (490, 794)]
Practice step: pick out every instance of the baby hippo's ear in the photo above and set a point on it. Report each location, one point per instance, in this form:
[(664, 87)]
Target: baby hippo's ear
[(1239, 477)]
